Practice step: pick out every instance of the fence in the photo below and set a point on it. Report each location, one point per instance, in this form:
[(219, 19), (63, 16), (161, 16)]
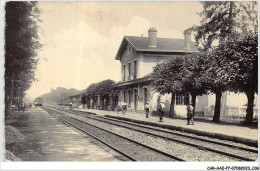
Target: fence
[(230, 111)]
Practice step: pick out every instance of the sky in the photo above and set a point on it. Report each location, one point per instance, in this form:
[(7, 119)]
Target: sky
[(80, 39)]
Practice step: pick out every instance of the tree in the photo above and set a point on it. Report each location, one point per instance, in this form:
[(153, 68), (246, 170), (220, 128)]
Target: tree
[(21, 47), (222, 20), (214, 79), (90, 91), (240, 69), (167, 79), (91, 94), (233, 67), (181, 75), (193, 75), (84, 100), (60, 95), (102, 89)]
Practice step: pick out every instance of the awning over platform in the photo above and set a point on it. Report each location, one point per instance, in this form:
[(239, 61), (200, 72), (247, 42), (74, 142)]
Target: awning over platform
[(146, 78)]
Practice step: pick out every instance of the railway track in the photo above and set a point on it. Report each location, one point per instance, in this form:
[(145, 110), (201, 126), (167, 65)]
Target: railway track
[(233, 151), (129, 148)]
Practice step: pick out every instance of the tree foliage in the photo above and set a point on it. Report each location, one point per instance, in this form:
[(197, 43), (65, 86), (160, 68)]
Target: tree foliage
[(181, 75), (91, 91), (214, 79), (167, 76), (221, 21), (224, 19), (21, 46), (59, 95), (194, 75), (84, 99), (231, 66), (239, 67), (103, 89), (167, 79)]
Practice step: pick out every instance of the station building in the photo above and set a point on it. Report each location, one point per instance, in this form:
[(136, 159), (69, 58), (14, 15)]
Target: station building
[(138, 56), (76, 98)]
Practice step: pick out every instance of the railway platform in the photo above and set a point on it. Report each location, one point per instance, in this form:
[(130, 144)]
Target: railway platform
[(47, 139), (240, 134)]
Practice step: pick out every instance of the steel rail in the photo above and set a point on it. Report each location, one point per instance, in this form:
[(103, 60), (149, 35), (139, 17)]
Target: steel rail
[(188, 136), (179, 141), (93, 136), (140, 144), (156, 129), (168, 132)]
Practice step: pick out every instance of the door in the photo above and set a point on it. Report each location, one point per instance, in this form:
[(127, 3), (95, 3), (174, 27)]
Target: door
[(145, 96), (135, 99)]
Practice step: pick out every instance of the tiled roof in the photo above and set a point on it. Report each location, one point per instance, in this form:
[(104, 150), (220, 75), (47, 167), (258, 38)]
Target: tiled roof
[(163, 45), (141, 44)]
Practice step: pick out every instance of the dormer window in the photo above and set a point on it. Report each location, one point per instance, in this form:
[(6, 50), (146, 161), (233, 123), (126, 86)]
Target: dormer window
[(129, 48)]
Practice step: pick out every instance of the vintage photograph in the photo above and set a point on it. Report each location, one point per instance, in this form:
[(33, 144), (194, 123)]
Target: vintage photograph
[(124, 81)]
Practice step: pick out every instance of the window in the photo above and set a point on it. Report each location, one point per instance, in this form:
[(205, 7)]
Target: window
[(182, 99), (123, 72), (124, 96), (135, 69), (129, 69), (129, 97)]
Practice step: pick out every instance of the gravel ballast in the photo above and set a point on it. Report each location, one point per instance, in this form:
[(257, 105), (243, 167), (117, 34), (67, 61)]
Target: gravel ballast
[(182, 151), (186, 152)]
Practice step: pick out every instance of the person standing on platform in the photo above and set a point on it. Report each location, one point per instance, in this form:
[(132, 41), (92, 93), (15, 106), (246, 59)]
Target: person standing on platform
[(161, 109), (118, 109), (146, 107), (70, 105), (190, 114)]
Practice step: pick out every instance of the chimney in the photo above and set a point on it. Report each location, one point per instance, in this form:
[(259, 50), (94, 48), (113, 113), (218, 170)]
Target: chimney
[(187, 40), (152, 37)]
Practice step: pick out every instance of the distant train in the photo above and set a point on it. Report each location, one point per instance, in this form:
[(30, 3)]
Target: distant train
[(38, 102)]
